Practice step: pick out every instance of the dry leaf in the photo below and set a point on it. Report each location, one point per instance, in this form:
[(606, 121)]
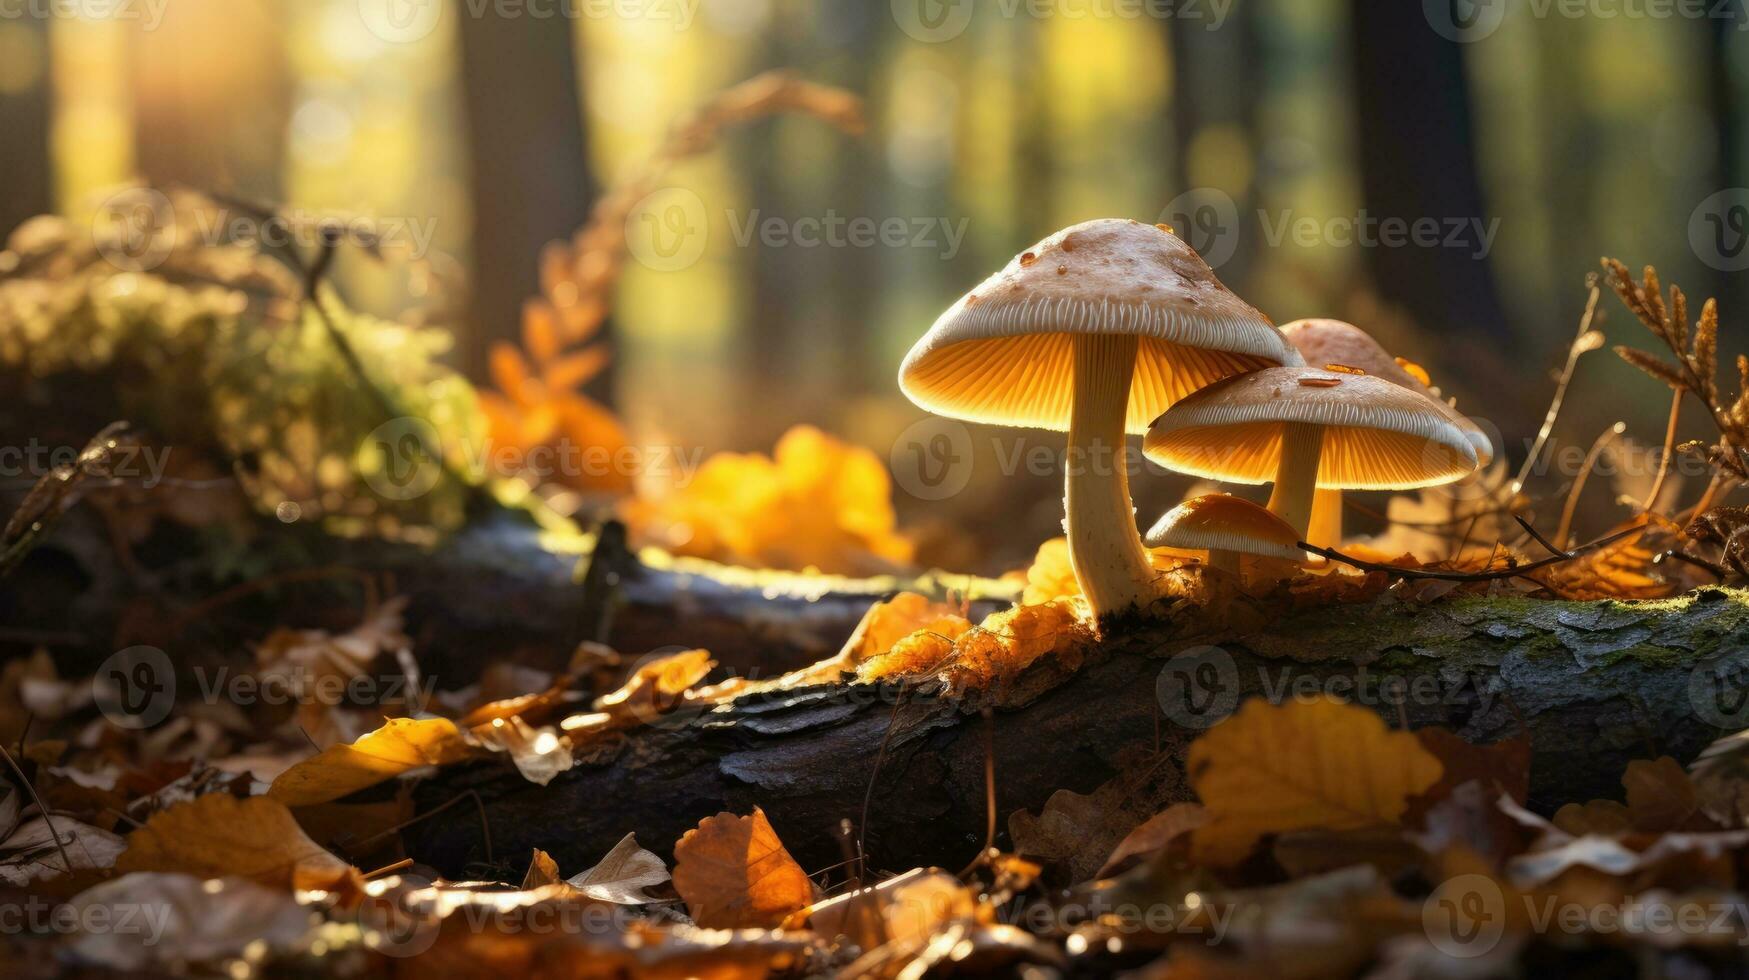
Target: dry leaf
[(622, 874), (1299, 766), (400, 746), (734, 873), (1154, 835), (184, 919), (216, 836), (29, 853), (1078, 831), (540, 754)]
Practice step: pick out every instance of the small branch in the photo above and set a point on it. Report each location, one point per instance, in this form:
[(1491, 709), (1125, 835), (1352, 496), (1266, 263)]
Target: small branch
[(40, 806), (1504, 573), (1536, 535)]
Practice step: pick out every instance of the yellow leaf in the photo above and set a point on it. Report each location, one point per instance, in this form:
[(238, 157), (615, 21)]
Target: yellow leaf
[(217, 835), (817, 502), (402, 745), (1304, 765), (734, 873)]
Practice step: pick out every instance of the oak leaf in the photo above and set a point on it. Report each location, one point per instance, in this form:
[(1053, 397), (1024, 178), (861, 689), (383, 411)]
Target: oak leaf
[(1318, 764), (734, 873)]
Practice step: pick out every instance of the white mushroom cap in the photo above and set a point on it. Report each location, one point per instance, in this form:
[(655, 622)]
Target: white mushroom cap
[(1324, 342), (1377, 436), (1004, 353), (1219, 522)]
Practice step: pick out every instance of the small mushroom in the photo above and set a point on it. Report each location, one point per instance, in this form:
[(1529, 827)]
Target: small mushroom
[(1226, 527), (1328, 343), (1105, 326), (1306, 428)]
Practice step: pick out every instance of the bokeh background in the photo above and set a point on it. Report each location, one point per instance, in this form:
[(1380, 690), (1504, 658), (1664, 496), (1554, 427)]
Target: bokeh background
[(1268, 131)]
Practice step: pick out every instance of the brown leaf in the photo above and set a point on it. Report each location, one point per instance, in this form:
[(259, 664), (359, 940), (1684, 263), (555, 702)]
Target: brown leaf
[(1505, 764), (1077, 831), (216, 835), (1660, 795), (734, 873), (1154, 835)]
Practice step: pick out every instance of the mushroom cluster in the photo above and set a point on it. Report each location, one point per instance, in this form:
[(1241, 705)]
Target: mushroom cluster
[(1110, 325)]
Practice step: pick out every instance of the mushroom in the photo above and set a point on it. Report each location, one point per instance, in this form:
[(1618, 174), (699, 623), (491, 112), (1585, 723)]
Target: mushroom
[(1332, 344), (1226, 527), (1307, 428), (1094, 330)]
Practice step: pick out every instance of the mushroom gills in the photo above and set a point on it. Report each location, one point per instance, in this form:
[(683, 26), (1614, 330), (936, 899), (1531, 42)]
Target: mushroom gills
[(1105, 550)]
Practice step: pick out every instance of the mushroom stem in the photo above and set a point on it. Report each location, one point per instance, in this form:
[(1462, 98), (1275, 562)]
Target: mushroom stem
[(1326, 527), (1296, 475), (1105, 550), (1225, 561)]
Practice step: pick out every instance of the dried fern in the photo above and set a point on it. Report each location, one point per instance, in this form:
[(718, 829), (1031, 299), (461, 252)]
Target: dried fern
[(1696, 366)]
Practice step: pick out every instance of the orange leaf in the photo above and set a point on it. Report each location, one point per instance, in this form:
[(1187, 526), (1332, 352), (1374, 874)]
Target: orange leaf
[(540, 331), (400, 746), (734, 873), (217, 835), (572, 370), (510, 373)]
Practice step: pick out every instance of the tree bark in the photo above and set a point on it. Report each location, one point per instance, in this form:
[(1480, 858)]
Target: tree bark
[(1596, 685)]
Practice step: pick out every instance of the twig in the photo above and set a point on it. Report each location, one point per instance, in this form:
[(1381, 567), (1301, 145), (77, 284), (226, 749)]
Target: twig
[(1504, 573), (41, 808), (1576, 350), (1531, 530), (1608, 436), (989, 792), (1669, 450)]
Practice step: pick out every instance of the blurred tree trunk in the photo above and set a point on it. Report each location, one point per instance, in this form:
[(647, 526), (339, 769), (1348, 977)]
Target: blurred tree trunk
[(1726, 107), (530, 177), (212, 98), (25, 168), (1417, 160), (1210, 89)]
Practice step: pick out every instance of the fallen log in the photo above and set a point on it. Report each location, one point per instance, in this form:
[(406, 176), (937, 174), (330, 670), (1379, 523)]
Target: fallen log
[(498, 590), (1594, 684)]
